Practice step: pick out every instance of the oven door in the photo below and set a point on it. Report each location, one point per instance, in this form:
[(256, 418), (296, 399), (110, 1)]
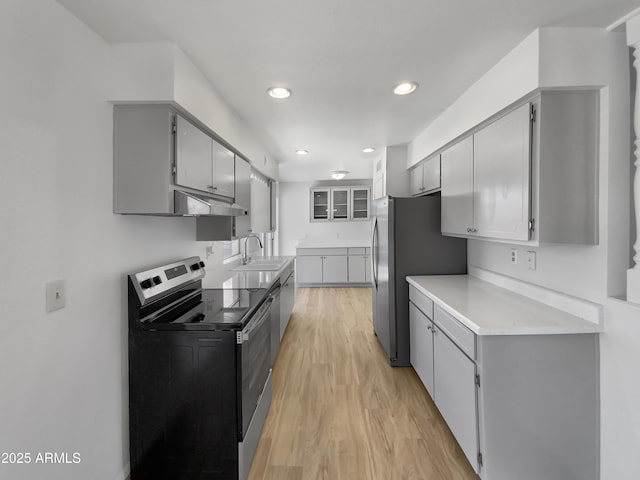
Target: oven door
[(254, 344)]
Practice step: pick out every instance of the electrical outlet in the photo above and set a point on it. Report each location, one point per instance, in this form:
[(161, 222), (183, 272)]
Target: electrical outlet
[(56, 295), (514, 256), (209, 250), (531, 260)]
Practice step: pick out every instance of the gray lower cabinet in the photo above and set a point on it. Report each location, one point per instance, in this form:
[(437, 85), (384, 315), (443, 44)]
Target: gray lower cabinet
[(421, 346), (334, 269), (359, 263), (309, 269), (455, 393), (520, 406), (287, 300), (333, 266)]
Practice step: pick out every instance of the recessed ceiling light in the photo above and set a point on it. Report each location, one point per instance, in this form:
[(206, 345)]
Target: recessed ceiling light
[(302, 152), (338, 174), (405, 88), (368, 150), (279, 92)]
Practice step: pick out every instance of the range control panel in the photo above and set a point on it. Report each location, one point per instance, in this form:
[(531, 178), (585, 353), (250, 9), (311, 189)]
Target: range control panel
[(161, 279)]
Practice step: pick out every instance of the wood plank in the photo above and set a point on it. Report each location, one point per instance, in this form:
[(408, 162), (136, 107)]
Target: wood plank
[(339, 410)]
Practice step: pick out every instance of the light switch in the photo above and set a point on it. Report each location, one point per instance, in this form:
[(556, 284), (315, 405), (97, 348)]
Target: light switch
[(56, 295), (531, 260)]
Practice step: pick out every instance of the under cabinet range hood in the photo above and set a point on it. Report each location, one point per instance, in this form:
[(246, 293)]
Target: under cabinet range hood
[(190, 204)]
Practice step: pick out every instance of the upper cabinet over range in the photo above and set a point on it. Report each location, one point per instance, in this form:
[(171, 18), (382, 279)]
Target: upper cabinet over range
[(167, 164), (528, 175)]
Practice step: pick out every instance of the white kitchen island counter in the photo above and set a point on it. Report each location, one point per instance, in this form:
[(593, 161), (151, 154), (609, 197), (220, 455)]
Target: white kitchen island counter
[(487, 309)]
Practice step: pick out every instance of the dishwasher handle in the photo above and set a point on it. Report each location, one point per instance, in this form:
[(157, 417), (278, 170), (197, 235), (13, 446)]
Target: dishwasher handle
[(256, 322)]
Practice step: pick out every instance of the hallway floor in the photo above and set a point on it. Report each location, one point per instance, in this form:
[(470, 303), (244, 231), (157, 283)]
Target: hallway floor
[(340, 411)]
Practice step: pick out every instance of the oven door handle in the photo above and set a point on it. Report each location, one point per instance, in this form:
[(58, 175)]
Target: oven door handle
[(258, 320)]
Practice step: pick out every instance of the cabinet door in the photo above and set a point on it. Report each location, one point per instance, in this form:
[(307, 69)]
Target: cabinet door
[(223, 171), (367, 268), (334, 269), (502, 167), (308, 269), (243, 197), (319, 204), (421, 346), (431, 174), (360, 203), (455, 393), (357, 266), (260, 203), (339, 204), (457, 188), (287, 300), (415, 177), (193, 156)]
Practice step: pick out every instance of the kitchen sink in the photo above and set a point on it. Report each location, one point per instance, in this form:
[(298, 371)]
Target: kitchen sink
[(258, 266)]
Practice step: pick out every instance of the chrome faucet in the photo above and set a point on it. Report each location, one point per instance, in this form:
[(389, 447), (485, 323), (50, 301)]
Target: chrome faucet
[(245, 257)]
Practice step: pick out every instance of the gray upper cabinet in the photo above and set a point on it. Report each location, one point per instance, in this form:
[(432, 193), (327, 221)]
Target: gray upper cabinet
[(457, 188), (201, 162), (425, 178), (223, 171), (415, 178), (243, 196), (455, 396), (193, 156), (501, 174), (431, 174), (527, 175), (340, 204)]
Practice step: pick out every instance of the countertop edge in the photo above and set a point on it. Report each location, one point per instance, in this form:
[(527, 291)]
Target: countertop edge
[(589, 327)]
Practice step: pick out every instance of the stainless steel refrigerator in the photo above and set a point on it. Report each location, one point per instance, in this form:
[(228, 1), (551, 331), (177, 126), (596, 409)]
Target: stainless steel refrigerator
[(406, 240)]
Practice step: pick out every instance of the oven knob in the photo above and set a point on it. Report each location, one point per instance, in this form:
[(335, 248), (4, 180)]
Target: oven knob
[(146, 283), (195, 267), (201, 264), (157, 280)]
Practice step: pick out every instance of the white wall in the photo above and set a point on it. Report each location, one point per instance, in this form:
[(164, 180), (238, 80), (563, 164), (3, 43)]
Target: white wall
[(64, 374), (294, 223), (510, 79), (160, 71), (594, 58)]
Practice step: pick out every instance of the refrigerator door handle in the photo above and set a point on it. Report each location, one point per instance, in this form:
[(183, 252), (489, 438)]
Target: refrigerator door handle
[(374, 260)]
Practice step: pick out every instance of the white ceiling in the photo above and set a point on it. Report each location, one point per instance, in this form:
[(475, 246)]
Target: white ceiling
[(341, 58)]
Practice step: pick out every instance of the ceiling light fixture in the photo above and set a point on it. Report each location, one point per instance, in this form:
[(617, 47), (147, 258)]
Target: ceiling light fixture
[(405, 88), (302, 152), (338, 174), (368, 150), (279, 92)]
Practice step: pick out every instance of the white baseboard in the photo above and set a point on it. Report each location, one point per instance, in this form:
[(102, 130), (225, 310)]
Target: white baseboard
[(589, 311)]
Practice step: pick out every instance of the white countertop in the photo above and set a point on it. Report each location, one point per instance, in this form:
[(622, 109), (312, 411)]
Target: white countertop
[(490, 310), (332, 244), (222, 276)]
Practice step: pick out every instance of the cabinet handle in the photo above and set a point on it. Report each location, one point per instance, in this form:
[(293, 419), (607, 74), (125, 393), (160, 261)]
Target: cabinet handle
[(468, 229), (429, 327), (474, 230)]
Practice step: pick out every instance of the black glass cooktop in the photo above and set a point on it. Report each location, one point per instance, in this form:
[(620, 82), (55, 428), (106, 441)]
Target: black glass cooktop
[(214, 309)]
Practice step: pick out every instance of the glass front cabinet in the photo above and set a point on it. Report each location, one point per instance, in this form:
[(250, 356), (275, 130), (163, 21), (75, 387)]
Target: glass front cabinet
[(320, 204), (360, 203), (340, 204)]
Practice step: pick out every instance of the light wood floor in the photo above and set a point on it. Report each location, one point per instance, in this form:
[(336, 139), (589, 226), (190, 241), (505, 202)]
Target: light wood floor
[(339, 410)]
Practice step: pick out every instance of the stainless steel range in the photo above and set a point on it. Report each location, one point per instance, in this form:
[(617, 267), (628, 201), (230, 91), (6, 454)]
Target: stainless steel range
[(199, 374)]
